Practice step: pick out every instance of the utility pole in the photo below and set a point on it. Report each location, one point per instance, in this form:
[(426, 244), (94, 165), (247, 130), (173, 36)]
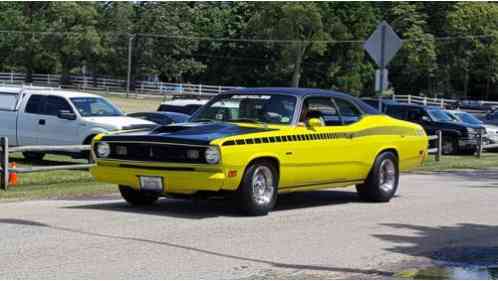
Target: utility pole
[(128, 80), (382, 64)]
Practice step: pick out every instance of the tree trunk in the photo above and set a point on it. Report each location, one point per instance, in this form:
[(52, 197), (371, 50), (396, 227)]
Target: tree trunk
[(296, 75)]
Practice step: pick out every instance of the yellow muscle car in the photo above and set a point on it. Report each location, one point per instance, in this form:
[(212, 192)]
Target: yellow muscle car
[(256, 143)]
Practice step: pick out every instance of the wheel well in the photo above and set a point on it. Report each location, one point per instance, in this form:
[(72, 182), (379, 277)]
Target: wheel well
[(394, 151), (270, 159), (89, 139)]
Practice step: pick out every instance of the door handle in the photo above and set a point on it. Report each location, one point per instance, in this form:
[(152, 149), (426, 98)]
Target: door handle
[(41, 122)]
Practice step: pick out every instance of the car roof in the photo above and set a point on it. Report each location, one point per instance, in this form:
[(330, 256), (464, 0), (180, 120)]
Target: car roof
[(45, 91), (298, 92), (183, 102)]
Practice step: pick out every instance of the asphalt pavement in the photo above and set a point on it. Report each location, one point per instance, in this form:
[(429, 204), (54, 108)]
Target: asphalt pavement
[(322, 234)]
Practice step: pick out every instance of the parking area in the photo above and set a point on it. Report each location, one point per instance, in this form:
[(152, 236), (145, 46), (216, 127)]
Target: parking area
[(321, 234)]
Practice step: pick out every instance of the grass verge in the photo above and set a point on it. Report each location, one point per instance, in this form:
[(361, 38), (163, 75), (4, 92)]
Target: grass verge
[(487, 161)]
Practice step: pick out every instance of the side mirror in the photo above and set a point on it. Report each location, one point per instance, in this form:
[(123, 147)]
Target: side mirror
[(425, 118), (314, 122), (67, 115)]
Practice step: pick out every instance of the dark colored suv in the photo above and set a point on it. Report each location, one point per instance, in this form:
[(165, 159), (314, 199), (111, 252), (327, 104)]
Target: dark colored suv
[(457, 137)]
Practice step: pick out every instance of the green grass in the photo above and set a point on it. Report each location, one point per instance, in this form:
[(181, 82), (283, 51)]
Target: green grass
[(487, 161), (54, 184), (134, 103)]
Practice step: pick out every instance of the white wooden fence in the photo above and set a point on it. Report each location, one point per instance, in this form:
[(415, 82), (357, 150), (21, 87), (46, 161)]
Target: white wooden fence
[(115, 85)]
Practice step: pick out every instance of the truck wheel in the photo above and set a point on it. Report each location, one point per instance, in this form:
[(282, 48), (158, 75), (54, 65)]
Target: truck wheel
[(33, 156), (382, 181), (257, 193), (449, 147), (137, 198)]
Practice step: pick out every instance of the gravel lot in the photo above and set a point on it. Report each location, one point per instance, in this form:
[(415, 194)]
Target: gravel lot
[(322, 234)]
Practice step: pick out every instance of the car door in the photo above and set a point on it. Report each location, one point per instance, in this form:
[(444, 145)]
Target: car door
[(54, 130), (29, 120), (324, 157)]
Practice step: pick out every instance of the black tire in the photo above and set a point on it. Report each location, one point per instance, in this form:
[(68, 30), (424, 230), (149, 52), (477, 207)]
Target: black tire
[(247, 196), (137, 198), (33, 156), (449, 147), (373, 190)]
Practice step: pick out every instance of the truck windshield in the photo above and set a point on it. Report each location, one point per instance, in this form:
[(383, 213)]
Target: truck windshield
[(95, 107), (439, 115), (468, 118)]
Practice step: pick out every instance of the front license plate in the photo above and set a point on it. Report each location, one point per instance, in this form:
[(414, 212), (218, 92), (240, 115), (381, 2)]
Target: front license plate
[(154, 184)]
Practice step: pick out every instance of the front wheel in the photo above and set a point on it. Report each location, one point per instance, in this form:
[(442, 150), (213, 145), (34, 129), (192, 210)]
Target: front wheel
[(257, 193), (382, 181), (136, 197)]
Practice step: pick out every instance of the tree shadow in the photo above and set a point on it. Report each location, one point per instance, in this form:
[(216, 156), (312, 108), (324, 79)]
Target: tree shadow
[(209, 208), (202, 251), (462, 244)]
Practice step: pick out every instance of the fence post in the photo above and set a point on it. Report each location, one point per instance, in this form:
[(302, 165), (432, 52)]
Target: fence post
[(425, 100), (11, 77), (442, 102), (439, 145), (409, 99), (479, 145), (5, 162), (394, 97), (200, 89)]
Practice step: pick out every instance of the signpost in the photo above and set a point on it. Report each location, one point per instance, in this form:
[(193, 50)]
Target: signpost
[(382, 45)]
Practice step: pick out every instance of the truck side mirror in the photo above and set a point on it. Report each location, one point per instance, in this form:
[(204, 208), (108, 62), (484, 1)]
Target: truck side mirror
[(67, 115)]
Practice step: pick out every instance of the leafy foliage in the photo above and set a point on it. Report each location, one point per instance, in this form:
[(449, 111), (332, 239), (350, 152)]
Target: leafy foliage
[(450, 48)]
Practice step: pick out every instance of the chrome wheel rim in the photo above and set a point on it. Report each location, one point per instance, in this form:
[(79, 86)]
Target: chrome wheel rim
[(387, 175), (262, 185)]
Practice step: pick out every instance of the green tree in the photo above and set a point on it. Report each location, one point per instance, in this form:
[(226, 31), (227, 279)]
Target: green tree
[(76, 39), (299, 22)]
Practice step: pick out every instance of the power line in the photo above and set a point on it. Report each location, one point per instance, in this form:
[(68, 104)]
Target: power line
[(241, 40)]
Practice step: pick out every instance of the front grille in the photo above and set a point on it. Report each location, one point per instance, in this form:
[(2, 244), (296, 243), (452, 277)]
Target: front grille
[(150, 152)]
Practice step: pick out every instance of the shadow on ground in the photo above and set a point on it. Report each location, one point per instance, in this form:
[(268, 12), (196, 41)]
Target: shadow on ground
[(200, 209), (462, 244), (273, 264)]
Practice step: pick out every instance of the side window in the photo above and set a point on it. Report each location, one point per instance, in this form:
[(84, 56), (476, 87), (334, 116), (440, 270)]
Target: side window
[(396, 112), (35, 104), (322, 108), (349, 112), (54, 105), (414, 115)]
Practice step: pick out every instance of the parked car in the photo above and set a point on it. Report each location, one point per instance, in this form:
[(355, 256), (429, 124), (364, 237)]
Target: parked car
[(491, 118), (457, 137), (268, 140), (185, 106), (491, 131), (374, 102), (160, 117), (56, 117)]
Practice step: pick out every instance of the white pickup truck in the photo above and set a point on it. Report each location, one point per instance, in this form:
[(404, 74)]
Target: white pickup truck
[(31, 116)]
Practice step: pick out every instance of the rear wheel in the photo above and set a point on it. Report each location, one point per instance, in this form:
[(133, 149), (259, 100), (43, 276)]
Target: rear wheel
[(33, 156), (257, 193), (382, 181), (136, 197)]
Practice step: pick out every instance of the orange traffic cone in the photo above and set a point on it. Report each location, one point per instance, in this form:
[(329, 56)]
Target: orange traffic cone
[(13, 175)]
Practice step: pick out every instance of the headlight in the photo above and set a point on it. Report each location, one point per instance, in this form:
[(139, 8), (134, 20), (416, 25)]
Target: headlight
[(212, 155), (103, 149)]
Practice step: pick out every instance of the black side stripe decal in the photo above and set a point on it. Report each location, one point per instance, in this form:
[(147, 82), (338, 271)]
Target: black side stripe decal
[(324, 136)]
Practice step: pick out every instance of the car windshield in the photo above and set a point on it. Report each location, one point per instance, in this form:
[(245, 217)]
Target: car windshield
[(468, 118), (95, 107), (263, 108), (439, 115)]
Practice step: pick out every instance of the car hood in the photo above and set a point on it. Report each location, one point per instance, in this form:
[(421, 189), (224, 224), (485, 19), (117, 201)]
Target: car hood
[(121, 122), (456, 126), (198, 133)]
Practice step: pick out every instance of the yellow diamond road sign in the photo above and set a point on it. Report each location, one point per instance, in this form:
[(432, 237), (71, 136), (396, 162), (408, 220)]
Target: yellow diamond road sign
[(383, 44)]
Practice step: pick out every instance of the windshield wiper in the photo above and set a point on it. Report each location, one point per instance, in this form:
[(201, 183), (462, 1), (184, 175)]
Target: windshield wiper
[(203, 120)]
